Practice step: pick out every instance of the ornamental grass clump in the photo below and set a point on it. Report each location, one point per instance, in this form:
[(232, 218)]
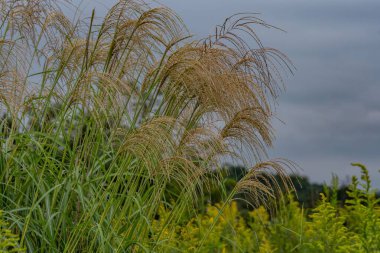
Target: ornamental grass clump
[(103, 116)]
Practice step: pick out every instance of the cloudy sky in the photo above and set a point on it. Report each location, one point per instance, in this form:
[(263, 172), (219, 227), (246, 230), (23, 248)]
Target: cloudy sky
[(331, 107)]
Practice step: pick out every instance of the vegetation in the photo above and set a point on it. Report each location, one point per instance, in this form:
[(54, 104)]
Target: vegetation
[(114, 132), (8, 240), (331, 226), (108, 119)]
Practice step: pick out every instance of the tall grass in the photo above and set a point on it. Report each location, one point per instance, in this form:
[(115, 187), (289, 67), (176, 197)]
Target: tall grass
[(103, 116)]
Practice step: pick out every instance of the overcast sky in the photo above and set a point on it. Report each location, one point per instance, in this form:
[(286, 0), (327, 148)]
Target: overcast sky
[(331, 107)]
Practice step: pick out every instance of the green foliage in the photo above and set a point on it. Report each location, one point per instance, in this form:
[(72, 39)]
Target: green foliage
[(231, 233), (327, 232), (329, 227), (9, 242), (363, 210), (288, 225), (259, 223)]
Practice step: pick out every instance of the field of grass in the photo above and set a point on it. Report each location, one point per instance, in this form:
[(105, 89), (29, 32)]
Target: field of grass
[(114, 128)]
